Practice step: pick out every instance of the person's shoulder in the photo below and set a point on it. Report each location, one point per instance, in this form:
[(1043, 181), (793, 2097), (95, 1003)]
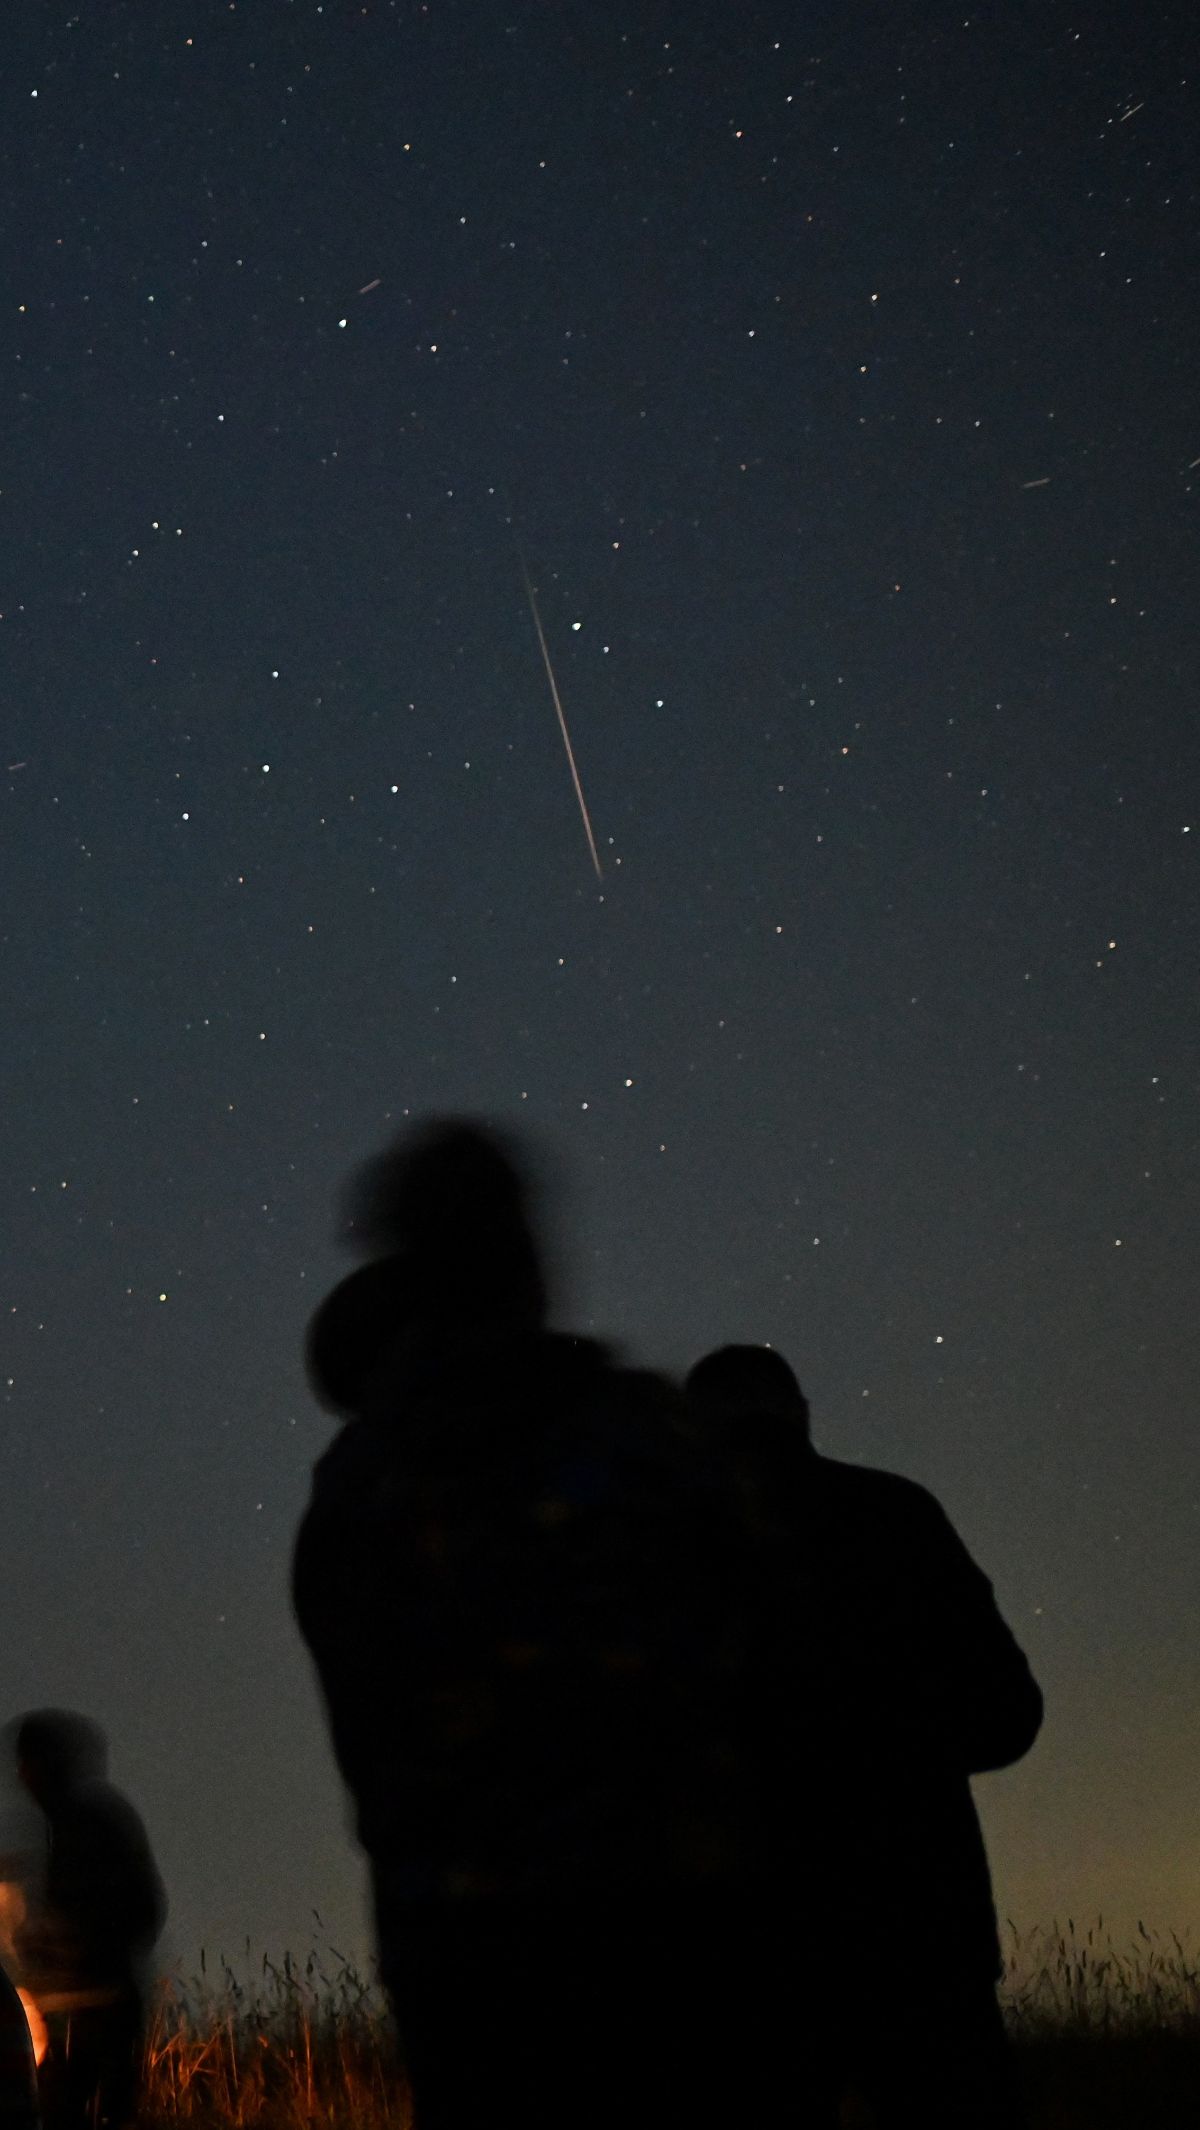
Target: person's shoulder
[(870, 1487), (651, 1411), (596, 1377), (104, 1814), (358, 1448), (647, 1392), (357, 1468), (630, 1419)]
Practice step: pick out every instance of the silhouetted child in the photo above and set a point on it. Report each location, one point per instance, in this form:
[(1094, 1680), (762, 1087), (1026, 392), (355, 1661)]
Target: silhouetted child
[(895, 1680), (91, 1924)]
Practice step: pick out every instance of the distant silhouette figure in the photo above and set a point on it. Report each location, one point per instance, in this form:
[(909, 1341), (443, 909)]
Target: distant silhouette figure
[(91, 1923), (526, 1610), (895, 1679)]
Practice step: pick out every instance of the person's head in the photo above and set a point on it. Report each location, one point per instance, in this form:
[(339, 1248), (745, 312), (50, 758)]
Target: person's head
[(58, 1751), (451, 1196), (444, 1213), (736, 1385)]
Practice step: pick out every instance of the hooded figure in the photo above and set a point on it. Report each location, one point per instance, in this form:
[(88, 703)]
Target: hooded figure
[(91, 1925)]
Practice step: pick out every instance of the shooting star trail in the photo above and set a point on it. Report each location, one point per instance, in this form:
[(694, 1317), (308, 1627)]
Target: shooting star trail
[(562, 722)]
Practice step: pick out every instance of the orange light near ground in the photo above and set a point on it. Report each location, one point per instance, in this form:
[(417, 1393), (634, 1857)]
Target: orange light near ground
[(36, 2024)]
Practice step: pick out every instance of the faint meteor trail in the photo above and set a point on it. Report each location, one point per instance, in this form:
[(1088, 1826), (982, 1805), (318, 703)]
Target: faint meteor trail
[(562, 722)]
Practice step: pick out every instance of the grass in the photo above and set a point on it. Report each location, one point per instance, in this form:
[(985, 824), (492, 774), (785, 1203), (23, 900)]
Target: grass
[(1108, 2038), (1108, 2035), (298, 2043)]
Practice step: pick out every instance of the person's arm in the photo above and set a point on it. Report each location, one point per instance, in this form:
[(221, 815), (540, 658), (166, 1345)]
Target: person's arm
[(347, 1597), (990, 1703)]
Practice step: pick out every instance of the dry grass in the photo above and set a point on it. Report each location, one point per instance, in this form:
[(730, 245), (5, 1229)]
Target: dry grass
[(301, 2043), (1062, 1980), (1108, 2038), (1108, 2034)]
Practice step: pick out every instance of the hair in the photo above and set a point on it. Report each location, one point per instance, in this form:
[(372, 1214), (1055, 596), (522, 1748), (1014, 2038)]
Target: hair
[(736, 1382), (59, 1748), (444, 1214)]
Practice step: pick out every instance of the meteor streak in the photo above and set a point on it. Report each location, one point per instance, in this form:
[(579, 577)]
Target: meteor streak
[(562, 722)]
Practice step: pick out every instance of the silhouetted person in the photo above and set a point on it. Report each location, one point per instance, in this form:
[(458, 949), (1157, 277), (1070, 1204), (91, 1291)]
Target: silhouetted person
[(92, 1922), (524, 1610), (895, 1680)]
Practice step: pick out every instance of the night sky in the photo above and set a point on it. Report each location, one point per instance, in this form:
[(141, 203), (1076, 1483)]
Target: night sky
[(834, 367)]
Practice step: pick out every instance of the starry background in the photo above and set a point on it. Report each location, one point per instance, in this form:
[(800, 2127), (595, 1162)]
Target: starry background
[(834, 366)]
